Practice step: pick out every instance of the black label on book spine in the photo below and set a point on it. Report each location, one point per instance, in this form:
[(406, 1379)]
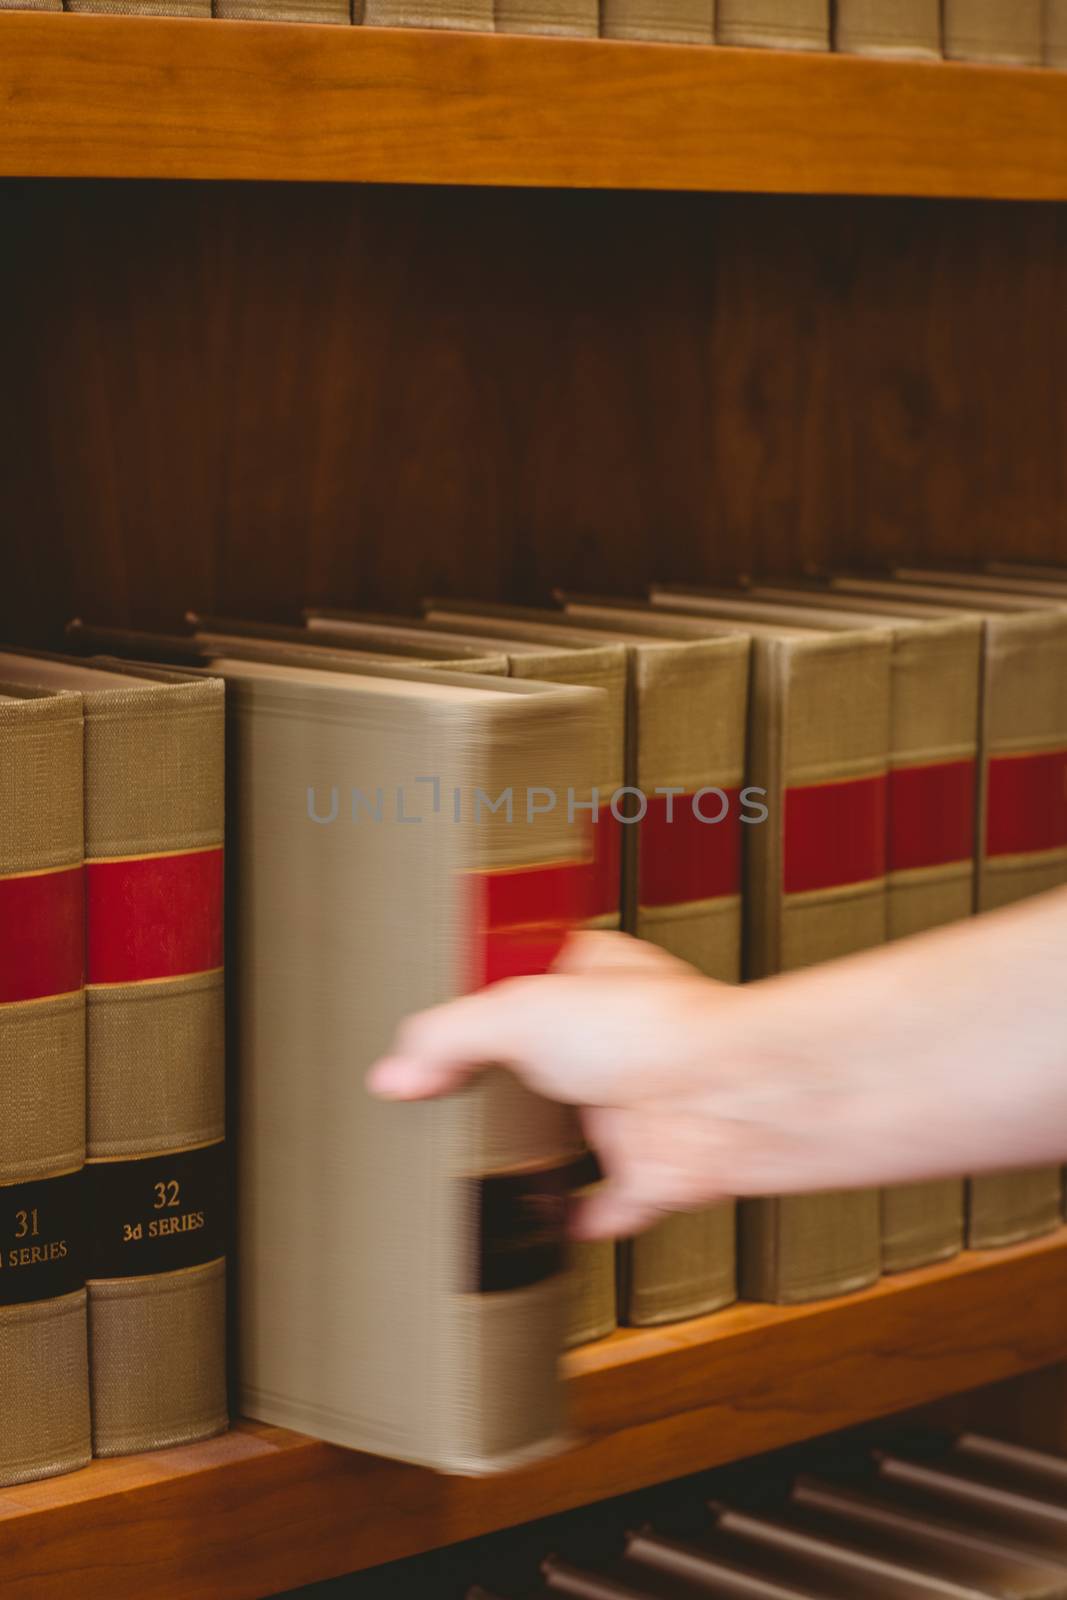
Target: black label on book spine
[(521, 1220), (42, 1239), (158, 1213)]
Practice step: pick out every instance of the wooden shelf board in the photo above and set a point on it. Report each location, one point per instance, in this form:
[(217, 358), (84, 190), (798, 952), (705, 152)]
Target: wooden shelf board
[(261, 1510), (92, 96)]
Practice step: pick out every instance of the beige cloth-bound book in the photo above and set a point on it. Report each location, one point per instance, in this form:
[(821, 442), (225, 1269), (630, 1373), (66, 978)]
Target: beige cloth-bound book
[(932, 791), (400, 1268), (155, 1049), (814, 886), (579, 19), (592, 1300), (685, 730), (340, 11), (142, 8), (1005, 31), (1022, 822), (663, 21), (43, 1347), (474, 16), (295, 647), (592, 1287), (892, 28), (779, 24)]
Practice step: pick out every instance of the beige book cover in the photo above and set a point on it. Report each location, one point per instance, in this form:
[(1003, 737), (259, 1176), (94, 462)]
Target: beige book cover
[(780, 24), (470, 15), (142, 8), (578, 19), (1027, 569), (155, 1043), (1014, 585), (43, 1347), (1022, 819), (400, 1267), (891, 28), (815, 885), (932, 796), (764, 1555), (600, 665), (686, 731), (339, 11), (972, 1558), (1005, 31), (666, 21), (295, 646)]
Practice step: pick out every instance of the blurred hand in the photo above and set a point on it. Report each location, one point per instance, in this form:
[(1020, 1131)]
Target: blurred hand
[(679, 1113), (929, 1057)]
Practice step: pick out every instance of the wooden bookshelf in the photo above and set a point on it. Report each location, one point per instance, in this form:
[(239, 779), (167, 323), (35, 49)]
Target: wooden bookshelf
[(91, 96), (261, 1509)]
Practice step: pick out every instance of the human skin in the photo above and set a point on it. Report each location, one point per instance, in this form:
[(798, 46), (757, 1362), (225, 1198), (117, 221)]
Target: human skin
[(935, 1055)]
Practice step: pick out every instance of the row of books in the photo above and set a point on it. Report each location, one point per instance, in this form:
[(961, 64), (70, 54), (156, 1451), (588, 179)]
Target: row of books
[(112, 1277), (1022, 32), (420, 806), (970, 1519)]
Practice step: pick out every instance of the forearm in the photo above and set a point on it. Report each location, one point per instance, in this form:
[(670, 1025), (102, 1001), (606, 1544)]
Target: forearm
[(942, 1054)]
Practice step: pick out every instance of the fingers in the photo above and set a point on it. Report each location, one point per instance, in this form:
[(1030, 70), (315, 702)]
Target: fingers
[(436, 1052), (610, 1212)]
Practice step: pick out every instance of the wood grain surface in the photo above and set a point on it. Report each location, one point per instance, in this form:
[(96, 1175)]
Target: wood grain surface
[(154, 97), (261, 1510), (248, 397)]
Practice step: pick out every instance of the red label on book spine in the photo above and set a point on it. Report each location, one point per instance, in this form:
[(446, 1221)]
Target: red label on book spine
[(606, 870), (931, 815), (152, 917), (690, 847), (1026, 807), (522, 915), (42, 934), (834, 834)]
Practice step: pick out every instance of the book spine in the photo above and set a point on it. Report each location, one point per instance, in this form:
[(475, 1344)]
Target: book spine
[(932, 810), (690, 707), (335, 11), (778, 24), (43, 1351), (666, 21), (1005, 31), (816, 877), (529, 888), (592, 1290), (141, 8), (575, 19), (475, 16), (1023, 823), (154, 891), (891, 28)]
